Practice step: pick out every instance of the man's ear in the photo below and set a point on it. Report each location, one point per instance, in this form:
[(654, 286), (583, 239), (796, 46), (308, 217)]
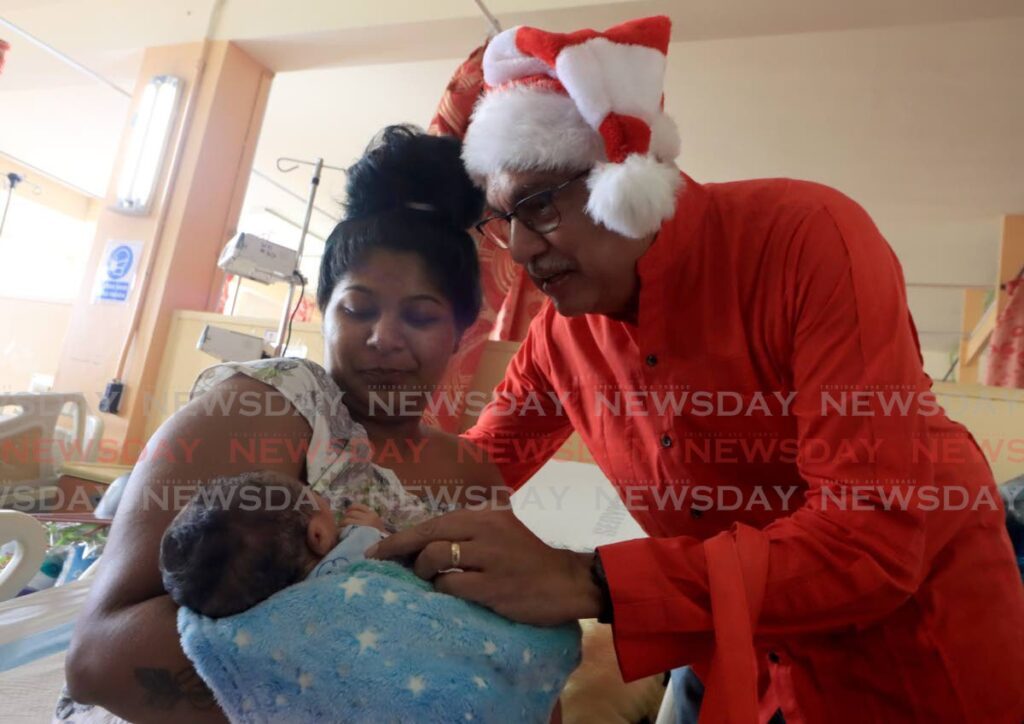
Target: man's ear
[(320, 535)]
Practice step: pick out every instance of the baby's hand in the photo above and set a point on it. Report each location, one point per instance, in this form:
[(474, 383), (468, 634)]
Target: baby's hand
[(359, 514)]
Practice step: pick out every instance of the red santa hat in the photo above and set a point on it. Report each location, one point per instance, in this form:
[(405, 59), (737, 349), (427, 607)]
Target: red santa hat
[(583, 100)]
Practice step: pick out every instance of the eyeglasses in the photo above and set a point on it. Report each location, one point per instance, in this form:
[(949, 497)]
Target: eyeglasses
[(537, 212)]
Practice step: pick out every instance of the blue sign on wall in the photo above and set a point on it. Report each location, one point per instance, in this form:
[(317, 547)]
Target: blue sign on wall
[(116, 273)]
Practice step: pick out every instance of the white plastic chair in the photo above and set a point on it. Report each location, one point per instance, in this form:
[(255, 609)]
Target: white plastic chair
[(29, 536)]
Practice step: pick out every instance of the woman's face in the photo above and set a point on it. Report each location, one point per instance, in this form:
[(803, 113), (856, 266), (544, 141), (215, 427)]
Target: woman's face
[(388, 333)]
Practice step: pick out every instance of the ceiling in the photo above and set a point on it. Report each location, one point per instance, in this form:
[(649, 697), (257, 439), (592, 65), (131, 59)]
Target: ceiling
[(61, 121), (346, 69), (109, 36), (316, 33), (455, 24)]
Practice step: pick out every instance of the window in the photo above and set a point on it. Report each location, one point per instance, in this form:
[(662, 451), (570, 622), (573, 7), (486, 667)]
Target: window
[(43, 252)]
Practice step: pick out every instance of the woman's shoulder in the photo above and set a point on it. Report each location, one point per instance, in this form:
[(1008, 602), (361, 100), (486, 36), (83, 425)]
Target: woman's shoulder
[(278, 372), (307, 389), (228, 400), (304, 383)]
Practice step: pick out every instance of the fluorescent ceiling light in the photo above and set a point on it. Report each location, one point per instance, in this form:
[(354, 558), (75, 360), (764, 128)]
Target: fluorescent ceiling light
[(150, 133)]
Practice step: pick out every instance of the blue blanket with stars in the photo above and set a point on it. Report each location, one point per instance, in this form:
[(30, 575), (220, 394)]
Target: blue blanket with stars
[(371, 642)]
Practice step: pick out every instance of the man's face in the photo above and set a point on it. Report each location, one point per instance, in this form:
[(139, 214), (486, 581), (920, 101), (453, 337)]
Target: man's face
[(582, 266)]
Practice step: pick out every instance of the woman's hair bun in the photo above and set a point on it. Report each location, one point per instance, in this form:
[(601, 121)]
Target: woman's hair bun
[(404, 168)]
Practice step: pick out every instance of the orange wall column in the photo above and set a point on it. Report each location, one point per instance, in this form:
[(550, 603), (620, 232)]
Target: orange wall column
[(227, 91)]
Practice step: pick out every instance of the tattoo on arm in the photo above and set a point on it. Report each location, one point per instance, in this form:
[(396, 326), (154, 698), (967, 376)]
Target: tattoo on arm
[(165, 688)]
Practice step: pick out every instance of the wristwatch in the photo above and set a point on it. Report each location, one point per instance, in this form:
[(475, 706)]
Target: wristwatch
[(606, 613)]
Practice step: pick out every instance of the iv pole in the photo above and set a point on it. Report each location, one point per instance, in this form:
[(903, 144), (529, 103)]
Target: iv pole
[(297, 278)]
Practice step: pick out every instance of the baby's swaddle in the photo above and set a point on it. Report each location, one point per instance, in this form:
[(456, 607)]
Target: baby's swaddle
[(371, 642)]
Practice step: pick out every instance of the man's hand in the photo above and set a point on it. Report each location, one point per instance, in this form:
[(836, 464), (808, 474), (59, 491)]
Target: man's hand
[(505, 567)]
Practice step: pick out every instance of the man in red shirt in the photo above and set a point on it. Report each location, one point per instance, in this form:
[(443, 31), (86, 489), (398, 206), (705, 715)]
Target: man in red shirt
[(740, 360)]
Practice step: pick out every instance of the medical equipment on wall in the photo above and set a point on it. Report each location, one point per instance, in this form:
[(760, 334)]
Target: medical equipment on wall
[(252, 257), (287, 314), (230, 346)]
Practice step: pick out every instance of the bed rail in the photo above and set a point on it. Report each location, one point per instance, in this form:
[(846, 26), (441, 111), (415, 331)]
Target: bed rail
[(30, 537)]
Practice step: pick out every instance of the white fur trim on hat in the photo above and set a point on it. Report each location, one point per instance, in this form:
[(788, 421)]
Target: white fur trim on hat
[(525, 127), (503, 61), (634, 197), (604, 77)]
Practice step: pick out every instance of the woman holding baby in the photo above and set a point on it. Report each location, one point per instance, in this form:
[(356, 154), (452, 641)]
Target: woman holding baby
[(399, 284)]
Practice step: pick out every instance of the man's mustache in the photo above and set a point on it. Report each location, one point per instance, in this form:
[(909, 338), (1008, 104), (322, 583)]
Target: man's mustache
[(548, 268)]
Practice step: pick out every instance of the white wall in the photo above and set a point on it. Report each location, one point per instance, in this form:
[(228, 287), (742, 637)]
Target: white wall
[(31, 335), (922, 125), (331, 113), (937, 363)]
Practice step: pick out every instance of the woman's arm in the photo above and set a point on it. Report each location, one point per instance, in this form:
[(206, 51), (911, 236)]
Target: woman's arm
[(525, 423), (125, 654), (151, 682), (463, 472)]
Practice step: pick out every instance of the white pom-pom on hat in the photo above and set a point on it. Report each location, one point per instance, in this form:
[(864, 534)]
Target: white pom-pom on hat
[(633, 197)]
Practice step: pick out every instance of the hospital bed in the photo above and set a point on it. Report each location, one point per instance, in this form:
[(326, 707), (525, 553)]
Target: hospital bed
[(40, 432), (34, 630)]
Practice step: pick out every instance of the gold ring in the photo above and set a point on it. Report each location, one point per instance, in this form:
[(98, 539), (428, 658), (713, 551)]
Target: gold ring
[(456, 555)]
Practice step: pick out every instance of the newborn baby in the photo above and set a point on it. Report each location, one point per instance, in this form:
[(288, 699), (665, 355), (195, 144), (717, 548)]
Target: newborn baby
[(242, 539), (401, 651)]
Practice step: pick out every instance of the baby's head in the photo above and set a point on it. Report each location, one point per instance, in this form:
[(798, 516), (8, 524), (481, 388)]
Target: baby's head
[(242, 539)]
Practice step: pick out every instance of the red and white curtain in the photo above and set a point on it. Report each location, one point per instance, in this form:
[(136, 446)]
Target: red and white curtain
[(1006, 350), (510, 299)]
